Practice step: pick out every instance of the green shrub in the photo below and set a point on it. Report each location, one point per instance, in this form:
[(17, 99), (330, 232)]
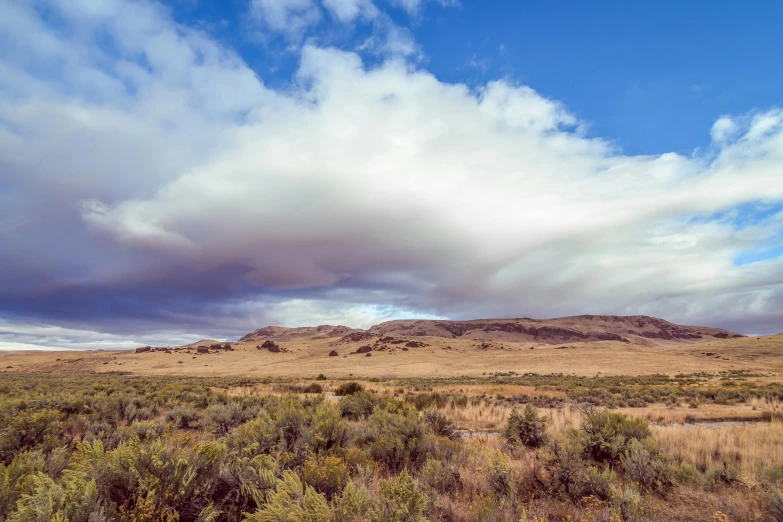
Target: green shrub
[(358, 405), (598, 482), (527, 428), (397, 440), (256, 437), (74, 501), (643, 463), (292, 501), (723, 475), (327, 474), (776, 504), (221, 418), (400, 501), (606, 434), (313, 387), (18, 478), (499, 473), (27, 430), (329, 431), (244, 483), (566, 468), (352, 504), (183, 417), (441, 476), (348, 388), (631, 505), (687, 474), (440, 425), (572, 477)]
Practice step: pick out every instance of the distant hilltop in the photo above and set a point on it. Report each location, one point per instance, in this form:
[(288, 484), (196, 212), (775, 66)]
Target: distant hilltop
[(636, 329)]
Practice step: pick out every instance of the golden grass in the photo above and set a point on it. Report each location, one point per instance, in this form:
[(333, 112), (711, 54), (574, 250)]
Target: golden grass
[(309, 357), (744, 446)]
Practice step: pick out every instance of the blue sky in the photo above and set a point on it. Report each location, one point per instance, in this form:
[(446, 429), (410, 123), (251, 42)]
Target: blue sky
[(649, 76), (172, 171)]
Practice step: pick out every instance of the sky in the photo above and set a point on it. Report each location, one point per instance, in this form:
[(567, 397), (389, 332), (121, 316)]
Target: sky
[(171, 171)]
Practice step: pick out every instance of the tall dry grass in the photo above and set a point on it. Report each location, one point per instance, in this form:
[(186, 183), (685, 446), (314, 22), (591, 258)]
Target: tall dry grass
[(744, 446)]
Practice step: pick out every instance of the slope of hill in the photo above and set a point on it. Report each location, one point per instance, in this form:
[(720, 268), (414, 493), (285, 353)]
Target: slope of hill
[(584, 328), (324, 331), (310, 352)]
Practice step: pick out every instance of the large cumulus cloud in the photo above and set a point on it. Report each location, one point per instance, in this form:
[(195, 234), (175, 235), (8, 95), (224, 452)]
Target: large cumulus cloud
[(151, 182)]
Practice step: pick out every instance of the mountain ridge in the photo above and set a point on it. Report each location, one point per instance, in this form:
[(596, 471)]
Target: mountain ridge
[(637, 329)]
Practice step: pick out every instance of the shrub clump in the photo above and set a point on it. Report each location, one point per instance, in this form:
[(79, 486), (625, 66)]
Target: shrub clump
[(348, 388), (400, 501), (607, 434), (327, 474), (527, 428)]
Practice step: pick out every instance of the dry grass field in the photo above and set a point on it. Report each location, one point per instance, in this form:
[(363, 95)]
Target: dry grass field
[(711, 408), (440, 358)]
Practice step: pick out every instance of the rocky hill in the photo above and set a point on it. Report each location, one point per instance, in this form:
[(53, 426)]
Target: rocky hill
[(323, 331), (638, 329)]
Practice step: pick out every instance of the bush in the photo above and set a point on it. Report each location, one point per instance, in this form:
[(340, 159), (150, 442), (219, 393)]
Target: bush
[(18, 479), (313, 387), (527, 428), (606, 434), (687, 474), (73, 501), (442, 477), (328, 475), (723, 475), (631, 505), (351, 504), (348, 388), (182, 417), (221, 418), (256, 437), (776, 504), (27, 430), (400, 501), (643, 464), (397, 440), (440, 425), (358, 405), (572, 477), (294, 501), (329, 432), (499, 473)]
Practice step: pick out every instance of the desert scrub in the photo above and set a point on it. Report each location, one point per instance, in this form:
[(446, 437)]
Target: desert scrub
[(440, 425), (327, 475), (131, 449), (607, 434), (348, 388), (527, 428), (644, 464), (292, 500), (400, 501)]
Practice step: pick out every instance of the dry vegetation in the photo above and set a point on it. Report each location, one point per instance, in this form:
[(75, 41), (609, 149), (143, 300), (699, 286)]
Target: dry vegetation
[(309, 356), (494, 448)]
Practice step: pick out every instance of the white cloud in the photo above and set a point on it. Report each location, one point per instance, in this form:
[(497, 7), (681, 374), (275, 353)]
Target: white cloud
[(286, 16), (413, 7), (723, 129), (29, 336), (348, 10), (356, 193)]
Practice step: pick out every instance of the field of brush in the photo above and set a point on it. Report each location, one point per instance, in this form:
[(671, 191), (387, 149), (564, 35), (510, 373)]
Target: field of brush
[(501, 447)]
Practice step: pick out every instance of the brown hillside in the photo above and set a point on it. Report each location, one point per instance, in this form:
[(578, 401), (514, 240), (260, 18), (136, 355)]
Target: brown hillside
[(584, 328)]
